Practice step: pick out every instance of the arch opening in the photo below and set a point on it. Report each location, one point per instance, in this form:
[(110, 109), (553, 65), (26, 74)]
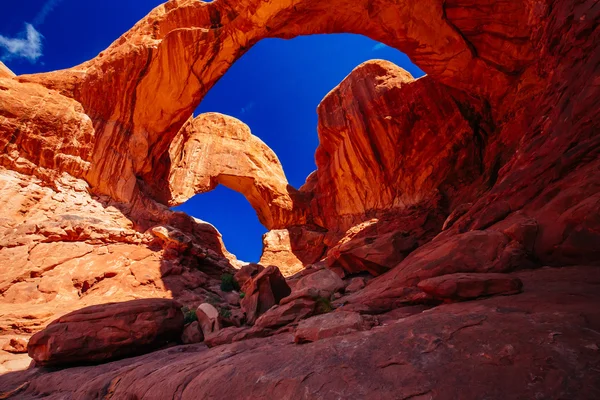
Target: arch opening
[(275, 89)]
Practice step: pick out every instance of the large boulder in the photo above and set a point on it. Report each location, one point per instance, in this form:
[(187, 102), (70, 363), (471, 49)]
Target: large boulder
[(325, 281), (263, 292), (208, 319), (247, 272), (107, 332), (288, 313)]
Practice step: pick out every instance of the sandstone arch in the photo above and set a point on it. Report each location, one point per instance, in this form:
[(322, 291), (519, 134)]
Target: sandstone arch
[(143, 88), (214, 149)]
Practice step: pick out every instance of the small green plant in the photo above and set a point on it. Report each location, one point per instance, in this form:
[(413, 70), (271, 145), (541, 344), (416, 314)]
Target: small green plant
[(189, 316), (228, 283), (242, 295), (324, 305)]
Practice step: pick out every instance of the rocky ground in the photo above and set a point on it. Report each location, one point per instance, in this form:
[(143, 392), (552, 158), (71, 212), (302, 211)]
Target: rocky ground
[(447, 246)]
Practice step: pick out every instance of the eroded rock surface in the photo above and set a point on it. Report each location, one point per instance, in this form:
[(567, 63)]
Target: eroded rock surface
[(546, 347), (262, 292)]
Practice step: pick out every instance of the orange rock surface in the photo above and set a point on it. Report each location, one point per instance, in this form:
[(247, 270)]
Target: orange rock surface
[(215, 149), (489, 164)]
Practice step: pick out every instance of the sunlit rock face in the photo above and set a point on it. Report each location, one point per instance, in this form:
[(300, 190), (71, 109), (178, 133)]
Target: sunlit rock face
[(389, 142), (214, 149), (489, 164)]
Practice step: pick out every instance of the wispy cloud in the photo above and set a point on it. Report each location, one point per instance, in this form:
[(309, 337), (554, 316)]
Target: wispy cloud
[(28, 45), (379, 46), (46, 9)]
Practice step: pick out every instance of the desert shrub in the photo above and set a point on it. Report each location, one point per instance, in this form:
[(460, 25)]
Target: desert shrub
[(228, 283), (324, 305), (189, 315)]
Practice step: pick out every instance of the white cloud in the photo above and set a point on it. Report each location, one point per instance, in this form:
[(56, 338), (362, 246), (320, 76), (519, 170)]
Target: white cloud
[(28, 45), (379, 46), (46, 9)]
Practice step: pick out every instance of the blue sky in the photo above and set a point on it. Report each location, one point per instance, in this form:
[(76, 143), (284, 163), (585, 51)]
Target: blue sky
[(274, 88)]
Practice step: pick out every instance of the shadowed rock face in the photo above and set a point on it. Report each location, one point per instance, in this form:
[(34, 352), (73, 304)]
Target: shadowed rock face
[(543, 342), (489, 164), (108, 331)]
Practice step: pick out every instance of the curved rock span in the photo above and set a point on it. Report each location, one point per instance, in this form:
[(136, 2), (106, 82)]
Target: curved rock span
[(421, 245)]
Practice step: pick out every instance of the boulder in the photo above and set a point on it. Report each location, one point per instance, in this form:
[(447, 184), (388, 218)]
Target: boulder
[(373, 254), (16, 346), (192, 333), (291, 312), (355, 285), (106, 332), (247, 272), (325, 281), (263, 292), (224, 336), (208, 319), (330, 325), (470, 286)]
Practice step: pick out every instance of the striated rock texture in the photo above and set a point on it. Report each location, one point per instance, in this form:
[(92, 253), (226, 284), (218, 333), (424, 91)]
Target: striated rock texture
[(400, 142), (489, 164), (5, 72), (469, 286), (184, 46)]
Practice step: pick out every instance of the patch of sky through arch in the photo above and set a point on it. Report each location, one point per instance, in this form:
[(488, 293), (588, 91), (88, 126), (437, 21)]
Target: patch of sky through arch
[(275, 88)]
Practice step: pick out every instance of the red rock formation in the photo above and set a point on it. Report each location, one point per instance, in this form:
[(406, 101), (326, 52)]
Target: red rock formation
[(263, 292), (107, 332), (5, 72), (542, 341), (215, 149), (293, 248), (135, 67), (393, 138), (192, 334), (330, 325), (488, 164)]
